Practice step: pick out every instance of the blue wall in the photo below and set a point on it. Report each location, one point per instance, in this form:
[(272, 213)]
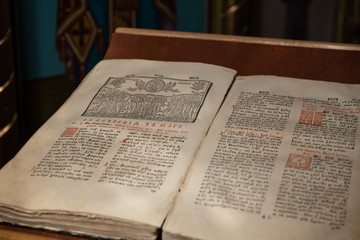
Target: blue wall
[(38, 56), (37, 28), (191, 15)]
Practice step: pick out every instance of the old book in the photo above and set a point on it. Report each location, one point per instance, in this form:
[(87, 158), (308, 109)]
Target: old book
[(130, 155)]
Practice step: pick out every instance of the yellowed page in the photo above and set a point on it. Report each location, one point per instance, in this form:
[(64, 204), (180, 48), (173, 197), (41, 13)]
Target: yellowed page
[(121, 145), (281, 161)]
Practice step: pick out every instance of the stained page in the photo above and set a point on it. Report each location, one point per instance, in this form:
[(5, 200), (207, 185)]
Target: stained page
[(281, 161), (121, 145)]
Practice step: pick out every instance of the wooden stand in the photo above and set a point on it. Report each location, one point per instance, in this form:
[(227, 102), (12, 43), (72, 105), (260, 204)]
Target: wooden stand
[(249, 56)]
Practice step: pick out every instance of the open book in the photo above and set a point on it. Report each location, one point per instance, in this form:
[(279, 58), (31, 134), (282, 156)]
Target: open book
[(137, 152)]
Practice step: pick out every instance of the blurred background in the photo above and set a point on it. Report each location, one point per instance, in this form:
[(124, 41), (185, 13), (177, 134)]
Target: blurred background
[(48, 46)]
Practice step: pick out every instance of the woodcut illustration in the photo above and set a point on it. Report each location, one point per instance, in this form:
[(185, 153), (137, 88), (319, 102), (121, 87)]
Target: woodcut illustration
[(149, 98)]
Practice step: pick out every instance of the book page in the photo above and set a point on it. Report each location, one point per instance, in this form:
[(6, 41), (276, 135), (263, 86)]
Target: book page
[(281, 161), (121, 145)]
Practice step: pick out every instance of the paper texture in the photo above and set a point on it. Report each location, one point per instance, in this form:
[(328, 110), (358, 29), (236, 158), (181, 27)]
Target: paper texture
[(121, 145), (281, 161)]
